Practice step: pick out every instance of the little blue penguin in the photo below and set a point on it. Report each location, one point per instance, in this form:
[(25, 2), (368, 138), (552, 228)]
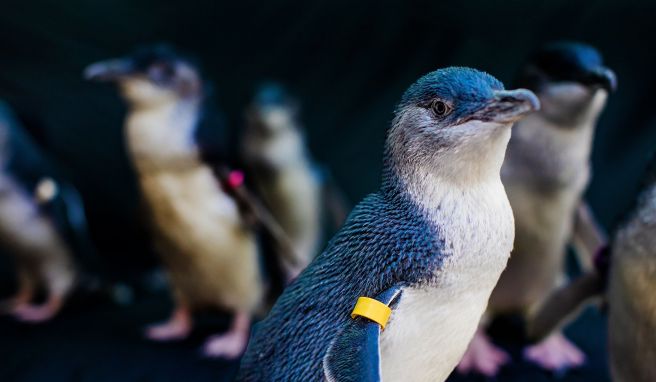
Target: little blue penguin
[(625, 278), (275, 152), (631, 287), (206, 244), (42, 225), (545, 173), (430, 243)]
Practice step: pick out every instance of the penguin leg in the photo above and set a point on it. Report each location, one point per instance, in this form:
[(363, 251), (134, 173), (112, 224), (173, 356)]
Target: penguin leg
[(22, 297), (177, 327), (555, 353), (58, 279), (231, 344), (39, 313), (482, 356)]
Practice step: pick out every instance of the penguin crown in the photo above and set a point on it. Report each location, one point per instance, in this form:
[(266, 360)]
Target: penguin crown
[(567, 62), (272, 109), (272, 94), (156, 68)]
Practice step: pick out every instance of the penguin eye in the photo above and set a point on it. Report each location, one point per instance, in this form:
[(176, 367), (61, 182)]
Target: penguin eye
[(161, 73), (440, 108)]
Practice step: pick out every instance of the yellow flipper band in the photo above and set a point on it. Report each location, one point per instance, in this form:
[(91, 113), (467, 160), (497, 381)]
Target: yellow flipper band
[(372, 309)]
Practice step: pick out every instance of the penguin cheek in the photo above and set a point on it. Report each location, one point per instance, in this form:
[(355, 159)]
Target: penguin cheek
[(276, 118), (141, 90)]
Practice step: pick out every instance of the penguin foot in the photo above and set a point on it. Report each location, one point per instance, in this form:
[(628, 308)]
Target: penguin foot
[(228, 345), (10, 305), (37, 313), (177, 327), (482, 356), (232, 344), (20, 299), (556, 353)]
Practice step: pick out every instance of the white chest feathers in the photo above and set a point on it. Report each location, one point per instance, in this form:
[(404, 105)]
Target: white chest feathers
[(432, 325), (162, 138), (182, 192)]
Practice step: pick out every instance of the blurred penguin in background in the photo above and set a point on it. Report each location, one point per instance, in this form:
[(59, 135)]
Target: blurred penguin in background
[(625, 275), (632, 291), (275, 152), (200, 226), (42, 225), (545, 173)]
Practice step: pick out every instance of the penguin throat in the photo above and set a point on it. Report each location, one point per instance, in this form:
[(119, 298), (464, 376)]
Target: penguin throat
[(163, 137), (427, 180)]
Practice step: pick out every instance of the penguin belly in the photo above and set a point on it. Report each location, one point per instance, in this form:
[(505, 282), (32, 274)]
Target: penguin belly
[(632, 302), (211, 258), (543, 223), (411, 348), (41, 254), (432, 325), (294, 199)]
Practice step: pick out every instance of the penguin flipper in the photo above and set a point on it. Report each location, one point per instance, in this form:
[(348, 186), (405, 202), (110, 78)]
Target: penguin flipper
[(354, 355), (564, 304), (255, 213), (66, 209)]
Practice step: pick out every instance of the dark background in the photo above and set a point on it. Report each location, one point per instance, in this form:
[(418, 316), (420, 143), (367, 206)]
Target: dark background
[(348, 62)]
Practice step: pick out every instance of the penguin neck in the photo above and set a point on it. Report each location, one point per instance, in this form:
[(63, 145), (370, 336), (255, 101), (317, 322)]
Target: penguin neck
[(428, 182), (563, 149), (161, 136)]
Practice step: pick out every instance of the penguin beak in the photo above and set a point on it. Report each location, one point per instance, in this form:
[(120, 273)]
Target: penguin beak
[(109, 70), (508, 106), (601, 77)]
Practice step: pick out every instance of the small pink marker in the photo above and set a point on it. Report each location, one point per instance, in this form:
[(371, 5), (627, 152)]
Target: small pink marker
[(236, 178)]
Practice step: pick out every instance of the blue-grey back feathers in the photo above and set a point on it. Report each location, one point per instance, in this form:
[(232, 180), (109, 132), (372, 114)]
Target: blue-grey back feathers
[(385, 242)]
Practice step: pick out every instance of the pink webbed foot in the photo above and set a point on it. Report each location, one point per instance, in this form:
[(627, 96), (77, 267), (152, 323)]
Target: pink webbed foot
[(19, 300), (37, 313), (231, 344), (177, 327), (482, 356), (10, 305), (555, 353)]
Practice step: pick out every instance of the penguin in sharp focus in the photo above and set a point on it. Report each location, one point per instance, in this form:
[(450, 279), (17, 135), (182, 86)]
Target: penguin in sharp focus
[(430, 245), (274, 150), (42, 225), (546, 171), (199, 225)]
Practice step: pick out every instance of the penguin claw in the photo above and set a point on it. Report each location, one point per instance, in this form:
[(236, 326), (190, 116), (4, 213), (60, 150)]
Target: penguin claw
[(229, 345), (556, 354), (483, 357)]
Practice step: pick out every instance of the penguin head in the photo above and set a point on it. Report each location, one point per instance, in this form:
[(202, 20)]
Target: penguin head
[(150, 76), (454, 112), (570, 79), (273, 110)]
